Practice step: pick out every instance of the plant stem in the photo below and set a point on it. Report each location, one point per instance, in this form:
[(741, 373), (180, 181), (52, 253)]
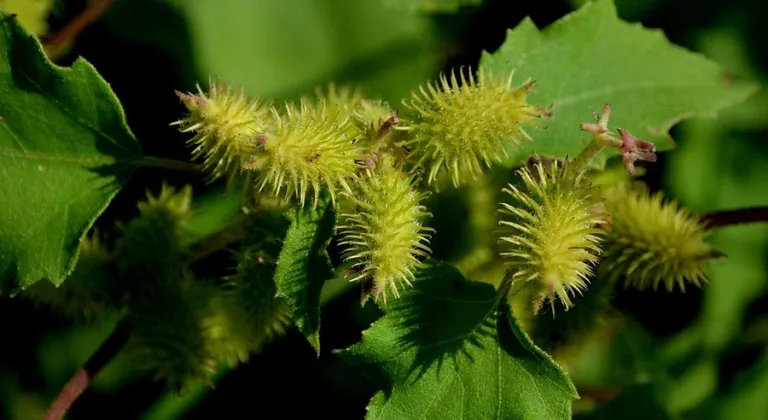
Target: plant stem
[(92, 12), (582, 161), (735, 217), (84, 376), (176, 165)]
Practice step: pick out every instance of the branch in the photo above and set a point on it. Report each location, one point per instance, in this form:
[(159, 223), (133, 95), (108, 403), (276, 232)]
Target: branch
[(84, 376), (735, 217), (71, 30)]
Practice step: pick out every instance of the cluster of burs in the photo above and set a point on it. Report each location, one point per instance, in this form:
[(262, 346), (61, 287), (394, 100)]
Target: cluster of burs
[(558, 230), (378, 166)]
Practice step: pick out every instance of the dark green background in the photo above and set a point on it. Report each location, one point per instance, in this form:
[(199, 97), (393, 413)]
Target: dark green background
[(714, 340)]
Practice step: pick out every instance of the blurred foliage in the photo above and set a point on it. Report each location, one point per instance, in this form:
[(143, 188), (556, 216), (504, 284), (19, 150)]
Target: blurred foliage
[(699, 355)]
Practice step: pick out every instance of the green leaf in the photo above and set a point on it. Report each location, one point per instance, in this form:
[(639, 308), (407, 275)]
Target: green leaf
[(65, 151), (590, 58), (304, 265), (450, 349), (431, 6)]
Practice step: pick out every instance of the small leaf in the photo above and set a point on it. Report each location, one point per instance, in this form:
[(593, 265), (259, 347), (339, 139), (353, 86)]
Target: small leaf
[(450, 349), (65, 151), (304, 265), (590, 58)]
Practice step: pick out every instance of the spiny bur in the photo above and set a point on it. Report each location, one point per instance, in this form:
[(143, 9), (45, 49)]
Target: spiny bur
[(341, 102), (551, 233), (652, 241), (165, 305), (153, 242), (169, 337), (252, 290), (226, 125), (458, 128), (382, 233), (368, 115), (307, 149)]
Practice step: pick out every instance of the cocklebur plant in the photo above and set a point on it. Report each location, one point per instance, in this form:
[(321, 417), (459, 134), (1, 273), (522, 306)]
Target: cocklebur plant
[(382, 231), (464, 123), (555, 232), (225, 124), (653, 242), (331, 193)]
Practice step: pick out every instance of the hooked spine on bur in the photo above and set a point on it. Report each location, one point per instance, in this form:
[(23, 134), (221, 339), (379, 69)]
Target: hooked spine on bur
[(466, 123)]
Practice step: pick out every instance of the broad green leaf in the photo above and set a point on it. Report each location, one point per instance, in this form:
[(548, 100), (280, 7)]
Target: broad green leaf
[(65, 151), (304, 265), (431, 6), (450, 349), (590, 58)]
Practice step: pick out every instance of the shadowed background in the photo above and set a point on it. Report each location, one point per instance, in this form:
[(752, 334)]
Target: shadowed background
[(146, 49)]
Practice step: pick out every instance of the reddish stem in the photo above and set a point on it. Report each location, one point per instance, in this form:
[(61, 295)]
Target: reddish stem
[(71, 30), (735, 217), (84, 376)]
